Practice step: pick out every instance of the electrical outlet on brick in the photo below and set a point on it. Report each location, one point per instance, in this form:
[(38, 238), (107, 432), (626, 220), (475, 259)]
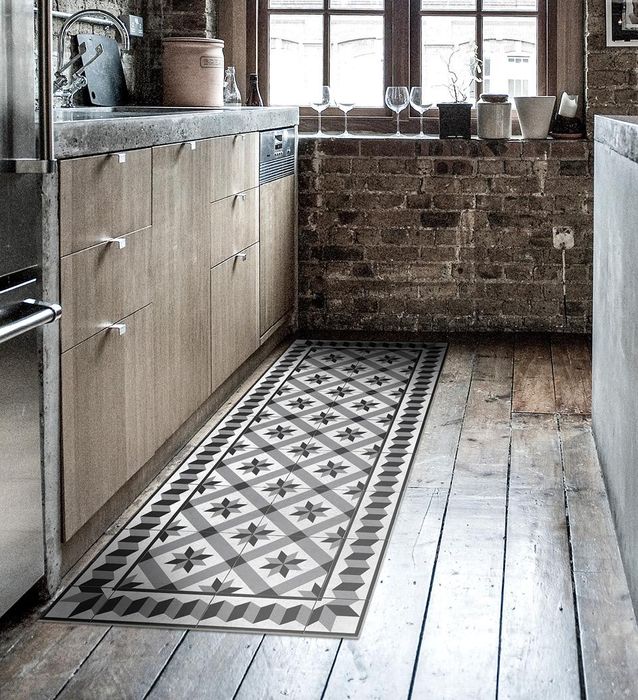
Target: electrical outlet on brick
[(563, 237)]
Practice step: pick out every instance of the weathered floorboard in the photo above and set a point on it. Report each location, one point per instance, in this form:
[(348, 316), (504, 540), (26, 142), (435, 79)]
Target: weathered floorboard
[(458, 656), (124, 665), (379, 664), (206, 665), (539, 652), (571, 359), (533, 378), (608, 631), (43, 661)]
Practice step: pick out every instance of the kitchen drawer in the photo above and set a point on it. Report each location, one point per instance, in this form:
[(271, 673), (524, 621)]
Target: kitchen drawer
[(103, 197), (234, 225), (234, 313), (108, 408), (104, 283), (234, 164)]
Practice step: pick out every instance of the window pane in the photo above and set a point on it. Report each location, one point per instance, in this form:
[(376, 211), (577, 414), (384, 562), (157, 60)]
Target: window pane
[(357, 4), (356, 59), (296, 58), (447, 40), (296, 4), (448, 4), (510, 50), (506, 5)]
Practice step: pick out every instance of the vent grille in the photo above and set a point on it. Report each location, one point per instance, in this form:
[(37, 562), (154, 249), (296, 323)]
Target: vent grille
[(276, 168)]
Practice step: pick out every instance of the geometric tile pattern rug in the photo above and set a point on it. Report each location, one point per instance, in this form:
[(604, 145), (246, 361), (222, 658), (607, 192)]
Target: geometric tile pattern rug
[(278, 520)]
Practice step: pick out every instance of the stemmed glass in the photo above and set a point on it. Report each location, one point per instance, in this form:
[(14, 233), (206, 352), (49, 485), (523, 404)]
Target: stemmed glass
[(319, 103), (419, 104), (397, 99), (345, 107)]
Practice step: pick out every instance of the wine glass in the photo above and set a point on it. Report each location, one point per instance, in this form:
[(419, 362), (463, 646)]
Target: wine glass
[(320, 102), (397, 99), (345, 107), (419, 104)]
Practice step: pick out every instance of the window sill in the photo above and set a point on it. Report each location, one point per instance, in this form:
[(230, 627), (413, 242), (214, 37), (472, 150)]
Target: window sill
[(376, 136)]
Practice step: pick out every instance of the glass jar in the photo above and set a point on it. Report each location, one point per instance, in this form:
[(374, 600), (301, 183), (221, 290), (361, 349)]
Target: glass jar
[(232, 96), (494, 117)]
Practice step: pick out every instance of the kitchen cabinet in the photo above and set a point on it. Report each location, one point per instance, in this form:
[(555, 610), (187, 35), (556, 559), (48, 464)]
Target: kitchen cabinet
[(108, 414), (234, 225), (234, 313), (233, 164), (103, 197), (277, 238), (104, 283), (181, 264)]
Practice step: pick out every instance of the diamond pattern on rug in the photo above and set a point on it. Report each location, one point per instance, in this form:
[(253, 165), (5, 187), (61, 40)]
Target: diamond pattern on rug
[(279, 519)]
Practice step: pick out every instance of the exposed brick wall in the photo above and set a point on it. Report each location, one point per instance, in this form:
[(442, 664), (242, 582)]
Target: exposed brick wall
[(162, 18), (442, 235)]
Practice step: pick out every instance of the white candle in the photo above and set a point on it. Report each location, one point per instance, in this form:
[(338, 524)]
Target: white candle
[(568, 106)]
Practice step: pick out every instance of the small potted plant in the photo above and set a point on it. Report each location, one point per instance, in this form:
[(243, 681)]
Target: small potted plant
[(464, 69)]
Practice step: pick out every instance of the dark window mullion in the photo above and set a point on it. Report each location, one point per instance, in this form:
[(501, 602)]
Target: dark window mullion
[(326, 42), (479, 42)]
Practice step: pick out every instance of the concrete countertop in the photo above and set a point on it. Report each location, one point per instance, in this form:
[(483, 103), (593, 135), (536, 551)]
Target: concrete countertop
[(93, 136), (620, 133)]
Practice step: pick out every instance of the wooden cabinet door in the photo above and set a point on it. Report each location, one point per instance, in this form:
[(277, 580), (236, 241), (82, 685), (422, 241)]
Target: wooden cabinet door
[(234, 225), (103, 197), (104, 283), (233, 164), (278, 250), (181, 274), (234, 313), (108, 406)]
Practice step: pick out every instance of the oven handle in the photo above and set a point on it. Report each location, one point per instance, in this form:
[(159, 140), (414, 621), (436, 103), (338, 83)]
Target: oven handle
[(43, 313)]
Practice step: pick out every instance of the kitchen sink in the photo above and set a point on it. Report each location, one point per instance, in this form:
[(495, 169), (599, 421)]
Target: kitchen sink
[(71, 114)]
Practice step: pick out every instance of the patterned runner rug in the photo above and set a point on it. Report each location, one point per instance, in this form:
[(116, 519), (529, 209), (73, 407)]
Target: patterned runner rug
[(278, 521)]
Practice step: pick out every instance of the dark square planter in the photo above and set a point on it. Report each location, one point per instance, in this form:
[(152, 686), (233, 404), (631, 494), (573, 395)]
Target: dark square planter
[(455, 120)]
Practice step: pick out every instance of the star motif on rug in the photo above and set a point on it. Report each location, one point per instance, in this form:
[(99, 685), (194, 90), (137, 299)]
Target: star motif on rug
[(226, 507), (304, 449), (310, 511), (334, 357), (252, 534), (210, 484), (350, 434), (365, 405), (283, 564), (280, 432), (301, 403), (256, 466), (377, 380), (389, 359), (281, 487), (319, 379), (189, 559), (324, 417), (340, 392), (332, 469)]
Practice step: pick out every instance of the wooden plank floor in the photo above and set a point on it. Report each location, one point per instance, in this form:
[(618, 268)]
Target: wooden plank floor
[(502, 578)]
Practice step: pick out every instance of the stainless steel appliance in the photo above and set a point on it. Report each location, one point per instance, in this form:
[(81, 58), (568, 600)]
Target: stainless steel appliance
[(26, 157), (277, 154)]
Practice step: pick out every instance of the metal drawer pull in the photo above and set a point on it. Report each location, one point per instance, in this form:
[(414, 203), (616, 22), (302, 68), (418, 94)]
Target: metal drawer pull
[(241, 195), (119, 328), (15, 319), (192, 145), (119, 242), (121, 157), (241, 256)]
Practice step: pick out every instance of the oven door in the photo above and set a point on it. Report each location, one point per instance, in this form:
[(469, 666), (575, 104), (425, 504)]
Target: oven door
[(21, 519)]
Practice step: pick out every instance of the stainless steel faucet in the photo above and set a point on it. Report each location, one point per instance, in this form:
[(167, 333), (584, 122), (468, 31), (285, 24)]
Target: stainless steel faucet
[(63, 87)]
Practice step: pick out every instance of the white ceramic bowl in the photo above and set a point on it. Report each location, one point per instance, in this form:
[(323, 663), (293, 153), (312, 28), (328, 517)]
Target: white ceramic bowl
[(535, 115)]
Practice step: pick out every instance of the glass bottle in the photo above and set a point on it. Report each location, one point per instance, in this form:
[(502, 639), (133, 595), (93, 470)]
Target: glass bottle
[(254, 97), (232, 96)]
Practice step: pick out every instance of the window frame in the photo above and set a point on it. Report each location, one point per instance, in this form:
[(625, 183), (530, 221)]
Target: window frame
[(402, 59)]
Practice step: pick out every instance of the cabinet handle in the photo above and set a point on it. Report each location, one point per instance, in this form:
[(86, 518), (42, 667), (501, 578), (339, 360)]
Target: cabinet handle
[(120, 242), (241, 256), (191, 144), (241, 195), (119, 328), (121, 157)]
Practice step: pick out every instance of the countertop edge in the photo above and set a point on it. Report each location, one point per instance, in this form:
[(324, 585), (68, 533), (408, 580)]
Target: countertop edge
[(76, 139), (618, 134)]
